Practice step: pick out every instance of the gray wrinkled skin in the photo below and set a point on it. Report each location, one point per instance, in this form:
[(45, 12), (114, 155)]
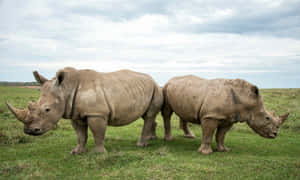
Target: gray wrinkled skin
[(216, 104), (94, 100)]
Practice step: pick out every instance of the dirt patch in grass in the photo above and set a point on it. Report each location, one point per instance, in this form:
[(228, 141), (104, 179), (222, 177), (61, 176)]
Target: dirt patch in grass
[(297, 126), (2, 137), (7, 170), (14, 139), (30, 87)]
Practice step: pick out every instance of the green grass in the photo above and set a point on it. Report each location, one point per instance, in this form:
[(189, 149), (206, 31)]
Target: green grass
[(48, 157)]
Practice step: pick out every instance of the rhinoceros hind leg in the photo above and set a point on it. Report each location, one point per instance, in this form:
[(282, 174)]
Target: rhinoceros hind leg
[(146, 132), (220, 136), (187, 132), (98, 128), (149, 129), (81, 131), (208, 129), (167, 113)]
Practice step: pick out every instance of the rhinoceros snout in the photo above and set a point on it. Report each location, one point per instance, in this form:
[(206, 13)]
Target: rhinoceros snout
[(33, 132)]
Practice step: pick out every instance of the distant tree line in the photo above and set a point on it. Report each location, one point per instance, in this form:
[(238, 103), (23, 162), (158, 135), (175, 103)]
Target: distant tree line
[(6, 83)]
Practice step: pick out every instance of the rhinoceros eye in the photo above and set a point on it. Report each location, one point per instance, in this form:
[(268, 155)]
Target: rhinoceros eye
[(47, 109), (267, 118)]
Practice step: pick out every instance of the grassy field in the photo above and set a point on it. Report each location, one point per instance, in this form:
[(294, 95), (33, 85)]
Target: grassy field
[(48, 157)]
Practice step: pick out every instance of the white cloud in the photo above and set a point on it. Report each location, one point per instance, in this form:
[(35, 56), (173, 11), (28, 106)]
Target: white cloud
[(154, 37), (169, 66)]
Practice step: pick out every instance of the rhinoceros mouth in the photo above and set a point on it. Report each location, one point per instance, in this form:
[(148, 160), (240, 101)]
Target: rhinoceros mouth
[(272, 135), (269, 136), (34, 132)]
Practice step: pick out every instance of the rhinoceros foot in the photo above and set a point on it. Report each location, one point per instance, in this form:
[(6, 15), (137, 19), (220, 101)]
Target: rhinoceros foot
[(78, 150), (205, 150), (223, 149), (99, 149), (141, 144), (189, 136), (153, 137), (168, 138)]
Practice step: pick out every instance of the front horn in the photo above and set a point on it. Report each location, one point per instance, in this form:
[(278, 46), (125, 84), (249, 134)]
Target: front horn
[(20, 114)]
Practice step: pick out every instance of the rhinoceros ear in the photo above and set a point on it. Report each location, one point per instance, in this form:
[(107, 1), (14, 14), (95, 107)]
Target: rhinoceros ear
[(255, 90), (39, 78), (60, 76)]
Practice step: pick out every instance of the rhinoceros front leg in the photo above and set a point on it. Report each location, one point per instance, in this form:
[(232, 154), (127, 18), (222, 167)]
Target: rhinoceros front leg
[(153, 131), (81, 131), (208, 129), (98, 128), (220, 136), (187, 132)]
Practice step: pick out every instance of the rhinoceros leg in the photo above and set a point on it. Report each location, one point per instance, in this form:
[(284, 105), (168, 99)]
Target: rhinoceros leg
[(146, 132), (149, 128), (187, 132), (220, 136), (167, 113), (98, 128), (153, 131), (81, 131), (208, 129)]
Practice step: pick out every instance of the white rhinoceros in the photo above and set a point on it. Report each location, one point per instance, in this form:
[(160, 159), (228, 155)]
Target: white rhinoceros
[(216, 104), (94, 100)]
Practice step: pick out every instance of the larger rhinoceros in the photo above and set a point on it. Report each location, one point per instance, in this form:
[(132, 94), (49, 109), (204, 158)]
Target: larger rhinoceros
[(94, 100), (216, 104)]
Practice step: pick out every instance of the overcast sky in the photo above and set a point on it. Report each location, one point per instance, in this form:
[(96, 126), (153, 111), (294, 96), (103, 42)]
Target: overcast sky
[(254, 40)]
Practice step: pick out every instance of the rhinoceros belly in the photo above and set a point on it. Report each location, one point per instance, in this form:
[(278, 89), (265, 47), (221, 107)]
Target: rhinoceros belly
[(125, 114), (128, 100)]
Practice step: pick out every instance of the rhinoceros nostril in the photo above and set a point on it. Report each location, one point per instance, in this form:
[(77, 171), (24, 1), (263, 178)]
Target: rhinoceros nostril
[(275, 133)]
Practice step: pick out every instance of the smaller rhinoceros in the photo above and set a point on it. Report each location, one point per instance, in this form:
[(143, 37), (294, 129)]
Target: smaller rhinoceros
[(94, 100), (216, 104)]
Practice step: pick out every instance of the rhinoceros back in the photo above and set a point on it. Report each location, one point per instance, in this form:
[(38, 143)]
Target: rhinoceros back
[(193, 98)]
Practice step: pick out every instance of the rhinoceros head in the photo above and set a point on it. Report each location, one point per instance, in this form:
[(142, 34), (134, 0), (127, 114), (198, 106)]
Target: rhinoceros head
[(41, 116), (265, 123)]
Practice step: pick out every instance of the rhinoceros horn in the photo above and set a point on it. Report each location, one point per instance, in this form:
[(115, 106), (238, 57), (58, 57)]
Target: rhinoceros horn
[(283, 117), (20, 114)]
